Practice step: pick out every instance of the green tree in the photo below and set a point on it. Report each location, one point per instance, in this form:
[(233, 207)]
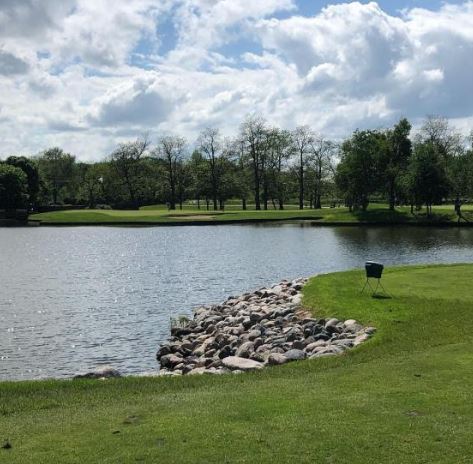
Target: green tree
[(321, 163), (91, 182), (57, 170), (236, 152), (447, 142), (199, 178), (427, 179), (394, 159), (171, 150), (357, 175), (280, 150), (302, 138), (211, 146), (13, 187), (127, 161), (253, 144), (32, 174)]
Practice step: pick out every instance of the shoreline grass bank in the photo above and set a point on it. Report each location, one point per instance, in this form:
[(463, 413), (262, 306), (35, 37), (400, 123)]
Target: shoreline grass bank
[(403, 396), (375, 215)]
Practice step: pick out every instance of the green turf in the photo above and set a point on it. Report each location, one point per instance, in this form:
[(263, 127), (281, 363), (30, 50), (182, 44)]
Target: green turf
[(158, 214), (403, 397)]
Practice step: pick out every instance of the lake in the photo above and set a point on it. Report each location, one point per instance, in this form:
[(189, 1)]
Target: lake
[(75, 298)]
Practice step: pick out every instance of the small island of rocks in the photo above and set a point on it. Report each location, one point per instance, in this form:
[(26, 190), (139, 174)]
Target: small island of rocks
[(266, 327)]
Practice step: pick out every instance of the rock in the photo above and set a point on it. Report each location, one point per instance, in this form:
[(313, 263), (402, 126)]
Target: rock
[(255, 317), (322, 336), (316, 344), (294, 355), (103, 373), (180, 331), (187, 369), (254, 334), (344, 342), (210, 329), (263, 348), (257, 343), (225, 352), (331, 323), (293, 334), (360, 339), (260, 357), (170, 360), (245, 350), (198, 371), (327, 351), (275, 359), (277, 349), (242, 364), (187, 346), (298, 345), (210, 353), (353, 326), (163, 350)]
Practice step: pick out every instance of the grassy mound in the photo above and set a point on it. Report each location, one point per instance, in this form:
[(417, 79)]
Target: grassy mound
[(404, 396)]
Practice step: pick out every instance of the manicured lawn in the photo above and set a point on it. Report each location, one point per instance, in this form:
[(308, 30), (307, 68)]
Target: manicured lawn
[(158, 214), (403, 397)]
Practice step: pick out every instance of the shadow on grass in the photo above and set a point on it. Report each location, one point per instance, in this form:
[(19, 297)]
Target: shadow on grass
[(399, 216), (383, 215), (378, 296)]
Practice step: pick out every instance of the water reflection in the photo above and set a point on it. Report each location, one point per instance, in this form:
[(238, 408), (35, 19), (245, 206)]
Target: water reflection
[(75, 298)]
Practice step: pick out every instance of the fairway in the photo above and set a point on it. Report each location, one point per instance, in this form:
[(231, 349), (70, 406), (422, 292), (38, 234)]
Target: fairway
[(404, 396), (159, 215)]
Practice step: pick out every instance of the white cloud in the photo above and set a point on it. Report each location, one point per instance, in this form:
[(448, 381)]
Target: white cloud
[(68, 77)]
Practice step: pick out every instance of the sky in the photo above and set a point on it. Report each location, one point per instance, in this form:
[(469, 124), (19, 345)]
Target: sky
[(86, 75)]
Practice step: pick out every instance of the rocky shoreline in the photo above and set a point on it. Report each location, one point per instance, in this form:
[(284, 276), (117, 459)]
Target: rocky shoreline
[(262, 328)]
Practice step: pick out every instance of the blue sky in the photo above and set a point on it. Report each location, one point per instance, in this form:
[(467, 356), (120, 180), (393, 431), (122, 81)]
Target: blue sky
[(394, 7), (87, 75)]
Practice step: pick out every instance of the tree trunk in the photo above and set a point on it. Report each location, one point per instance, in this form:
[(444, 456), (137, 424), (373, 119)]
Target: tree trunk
[(265, 195), (257, 197), (301, 184), (243, 204), (55, 194), (392, 197)]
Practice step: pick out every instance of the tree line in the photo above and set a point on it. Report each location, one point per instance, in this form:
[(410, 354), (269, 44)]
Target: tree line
[(266, 166)]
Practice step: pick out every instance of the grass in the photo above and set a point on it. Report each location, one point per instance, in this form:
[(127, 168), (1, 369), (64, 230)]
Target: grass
[(158, 214), (404, 396)]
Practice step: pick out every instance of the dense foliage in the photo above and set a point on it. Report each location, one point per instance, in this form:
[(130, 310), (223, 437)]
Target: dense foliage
[(13, 187), (266, 166)]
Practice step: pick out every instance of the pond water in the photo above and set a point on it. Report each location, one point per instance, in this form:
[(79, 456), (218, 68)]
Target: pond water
[(75, 298)]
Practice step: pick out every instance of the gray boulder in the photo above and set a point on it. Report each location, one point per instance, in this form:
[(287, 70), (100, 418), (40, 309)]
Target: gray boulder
[(275, 359), (241, 364), (245, 350), (295, 355)]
